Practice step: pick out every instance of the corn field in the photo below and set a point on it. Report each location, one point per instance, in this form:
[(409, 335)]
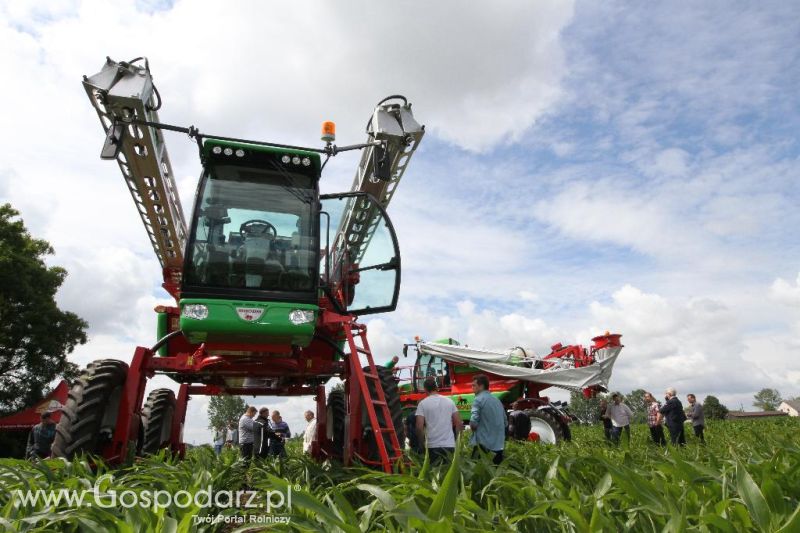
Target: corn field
[(746, 478)]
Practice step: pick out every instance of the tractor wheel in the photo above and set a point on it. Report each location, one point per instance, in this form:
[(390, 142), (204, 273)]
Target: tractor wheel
[(336, 414), (89, 417), (567, 432), (157, 416), (392, 396), (546, 426)]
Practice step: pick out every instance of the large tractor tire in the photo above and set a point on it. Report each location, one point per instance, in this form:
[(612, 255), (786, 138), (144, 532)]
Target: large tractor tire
[(392, 395), (157, 416), (546, 426), (89, 417), (567, 432), (336, 411)]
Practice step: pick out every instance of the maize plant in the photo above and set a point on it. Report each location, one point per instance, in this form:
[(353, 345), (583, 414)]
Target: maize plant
[(746, 478)]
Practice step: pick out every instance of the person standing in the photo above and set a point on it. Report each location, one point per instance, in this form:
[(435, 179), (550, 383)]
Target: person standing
[(310, 432), (607, 425), (41, 437), (232, 436), (697, 417), (654, 420), (437, 423), (392, 363), (219, 439), (262, 433), (246, 433), (519, 423), (672, 410), (621, 417), (277, 445), (487, 420)]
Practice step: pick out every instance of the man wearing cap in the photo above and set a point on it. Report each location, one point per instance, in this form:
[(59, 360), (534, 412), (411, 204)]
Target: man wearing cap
[(41, 437)]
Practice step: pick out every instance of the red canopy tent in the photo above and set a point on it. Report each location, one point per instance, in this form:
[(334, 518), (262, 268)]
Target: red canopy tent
[(26, 419)]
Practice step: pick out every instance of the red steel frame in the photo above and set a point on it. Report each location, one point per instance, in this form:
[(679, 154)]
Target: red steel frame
[(302, 363)]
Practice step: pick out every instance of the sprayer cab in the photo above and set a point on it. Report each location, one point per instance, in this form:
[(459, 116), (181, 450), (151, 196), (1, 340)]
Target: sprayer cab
[(251, 270)]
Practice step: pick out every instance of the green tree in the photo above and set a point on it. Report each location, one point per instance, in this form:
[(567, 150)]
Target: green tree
[(767, 399), (225, 409), (635, 400), (35, 335), (713, 409), (586, 409)]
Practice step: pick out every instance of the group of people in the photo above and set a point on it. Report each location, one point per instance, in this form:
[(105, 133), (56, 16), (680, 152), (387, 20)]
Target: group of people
[(617, 418), (438, 423), (262, 434), (258, 434)]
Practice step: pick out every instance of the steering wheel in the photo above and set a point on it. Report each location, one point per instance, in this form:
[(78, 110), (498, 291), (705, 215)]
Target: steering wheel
[(258, 228)]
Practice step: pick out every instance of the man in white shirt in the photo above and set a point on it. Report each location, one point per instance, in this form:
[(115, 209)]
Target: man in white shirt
[(621, 417), (246, 433), (311, 430), (437, 423)]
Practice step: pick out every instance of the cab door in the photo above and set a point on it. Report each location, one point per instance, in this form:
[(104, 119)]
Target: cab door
[(361, 270)]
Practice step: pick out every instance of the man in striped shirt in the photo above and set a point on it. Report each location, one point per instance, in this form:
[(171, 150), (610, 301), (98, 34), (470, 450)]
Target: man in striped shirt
[(654, 420)]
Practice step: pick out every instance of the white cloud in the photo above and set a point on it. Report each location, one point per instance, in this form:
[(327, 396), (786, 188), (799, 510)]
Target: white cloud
[(784, 292), (499, 71), (528, 296), (695, 345)]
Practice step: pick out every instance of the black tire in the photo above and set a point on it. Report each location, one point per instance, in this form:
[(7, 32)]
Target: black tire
[(545, 421), (567, 432), (336, 414), (392, 395), (89, 417), (157, 416)]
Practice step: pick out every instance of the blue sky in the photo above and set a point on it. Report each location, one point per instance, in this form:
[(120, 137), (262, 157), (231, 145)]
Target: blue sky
[(587, 166)]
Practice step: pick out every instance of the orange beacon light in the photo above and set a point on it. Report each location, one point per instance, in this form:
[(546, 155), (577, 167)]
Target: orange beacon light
[(328, 131)]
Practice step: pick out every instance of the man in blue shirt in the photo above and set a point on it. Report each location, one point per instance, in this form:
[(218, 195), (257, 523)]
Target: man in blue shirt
[(487, 420), (277, 446), (41, 437)]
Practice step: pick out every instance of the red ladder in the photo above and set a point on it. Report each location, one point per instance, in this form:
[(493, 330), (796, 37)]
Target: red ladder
[(358, 391)]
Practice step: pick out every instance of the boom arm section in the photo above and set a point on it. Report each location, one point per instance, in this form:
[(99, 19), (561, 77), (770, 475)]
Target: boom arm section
[(392, 137), (120, 93)]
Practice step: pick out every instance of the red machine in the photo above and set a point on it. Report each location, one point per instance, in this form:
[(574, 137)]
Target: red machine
[(267, 292), (516, 379)]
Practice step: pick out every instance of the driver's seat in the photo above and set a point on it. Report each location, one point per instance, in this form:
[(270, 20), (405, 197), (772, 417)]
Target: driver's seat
[(258, 268)]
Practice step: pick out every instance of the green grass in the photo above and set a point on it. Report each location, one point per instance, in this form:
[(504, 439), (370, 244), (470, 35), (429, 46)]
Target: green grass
[(747, 478)]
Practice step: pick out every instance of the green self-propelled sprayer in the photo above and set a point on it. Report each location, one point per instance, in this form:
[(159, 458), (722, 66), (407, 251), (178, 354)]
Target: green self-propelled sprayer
[(268, 276)]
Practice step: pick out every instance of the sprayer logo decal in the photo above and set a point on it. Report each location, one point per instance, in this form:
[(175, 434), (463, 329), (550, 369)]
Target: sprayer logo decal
[(249, 313)]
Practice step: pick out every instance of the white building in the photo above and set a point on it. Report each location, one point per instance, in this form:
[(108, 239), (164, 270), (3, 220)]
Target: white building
[(790, 407)]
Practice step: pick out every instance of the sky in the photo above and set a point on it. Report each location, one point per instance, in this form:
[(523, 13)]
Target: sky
[(587, 167)]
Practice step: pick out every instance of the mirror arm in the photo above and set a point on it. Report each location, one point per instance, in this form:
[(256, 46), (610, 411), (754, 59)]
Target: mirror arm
[(391, 265)]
